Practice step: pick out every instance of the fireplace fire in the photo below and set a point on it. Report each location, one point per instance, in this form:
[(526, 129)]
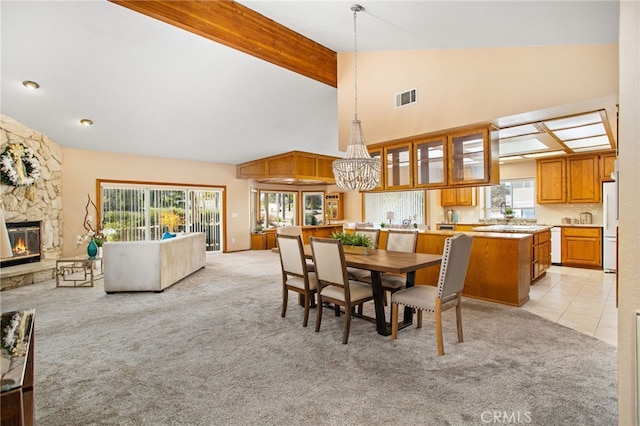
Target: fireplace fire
[(25, 243)]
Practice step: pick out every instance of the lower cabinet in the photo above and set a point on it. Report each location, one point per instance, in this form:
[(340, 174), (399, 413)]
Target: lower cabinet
[(540, 254), (582, 247), (263, 240)]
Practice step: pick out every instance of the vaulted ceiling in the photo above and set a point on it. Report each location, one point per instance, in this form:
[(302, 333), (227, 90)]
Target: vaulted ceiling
[(152, 88)]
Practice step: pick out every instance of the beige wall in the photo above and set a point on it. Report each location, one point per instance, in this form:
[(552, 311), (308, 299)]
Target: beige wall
[(459, 87), (81, 168), (629, 224), (466, 86)]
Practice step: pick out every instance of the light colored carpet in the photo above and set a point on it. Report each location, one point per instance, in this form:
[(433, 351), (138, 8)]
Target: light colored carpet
[(213, 350)]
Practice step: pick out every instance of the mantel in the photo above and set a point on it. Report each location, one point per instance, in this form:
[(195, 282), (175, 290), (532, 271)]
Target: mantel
[(291, 168)]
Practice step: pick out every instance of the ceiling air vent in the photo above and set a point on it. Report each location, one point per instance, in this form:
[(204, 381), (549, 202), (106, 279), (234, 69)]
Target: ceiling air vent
[(406, 98)]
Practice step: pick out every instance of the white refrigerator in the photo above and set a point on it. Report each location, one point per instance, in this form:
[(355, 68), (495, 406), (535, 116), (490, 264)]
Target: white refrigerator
[(610, 225)]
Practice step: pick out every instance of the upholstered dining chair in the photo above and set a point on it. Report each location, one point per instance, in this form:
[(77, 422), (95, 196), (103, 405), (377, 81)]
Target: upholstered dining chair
[(295, 274), (397, 240), (294, 230), (334, 286), (447, 294), (357, 273)]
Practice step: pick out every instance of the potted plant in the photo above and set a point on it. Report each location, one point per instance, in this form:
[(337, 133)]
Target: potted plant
[(354, 243), (509, 214)]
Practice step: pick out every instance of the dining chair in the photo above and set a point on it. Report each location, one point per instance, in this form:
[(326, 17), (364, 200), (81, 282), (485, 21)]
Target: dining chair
[(397, 240), (294, 230), (295, 274), (334, 286), (447, 294), (357, 273)]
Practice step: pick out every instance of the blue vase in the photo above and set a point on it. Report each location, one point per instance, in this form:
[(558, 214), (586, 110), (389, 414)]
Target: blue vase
[(92, 249)]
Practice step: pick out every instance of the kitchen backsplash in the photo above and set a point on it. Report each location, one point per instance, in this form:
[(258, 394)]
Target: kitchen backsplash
[(546, 214), (552, 214)]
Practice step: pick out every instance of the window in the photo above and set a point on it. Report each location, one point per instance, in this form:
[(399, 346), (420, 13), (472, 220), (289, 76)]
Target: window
[(517, 195), (277, 209), (393, 207), (144, 212)]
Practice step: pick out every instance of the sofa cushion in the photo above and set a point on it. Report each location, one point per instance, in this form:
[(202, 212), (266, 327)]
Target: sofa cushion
[(167, 235)]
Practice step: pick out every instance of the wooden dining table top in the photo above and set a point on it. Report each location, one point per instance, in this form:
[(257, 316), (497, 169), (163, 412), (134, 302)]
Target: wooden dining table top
[(387, 261)]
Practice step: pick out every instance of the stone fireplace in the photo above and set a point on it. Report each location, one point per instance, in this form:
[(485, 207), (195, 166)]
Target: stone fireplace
[(42, 211), (25, 243)]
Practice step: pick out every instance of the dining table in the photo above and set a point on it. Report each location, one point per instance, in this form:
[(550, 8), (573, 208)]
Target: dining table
[(378, 262)]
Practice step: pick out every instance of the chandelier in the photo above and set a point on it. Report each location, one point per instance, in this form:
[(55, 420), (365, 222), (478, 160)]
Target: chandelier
[(357, 171)]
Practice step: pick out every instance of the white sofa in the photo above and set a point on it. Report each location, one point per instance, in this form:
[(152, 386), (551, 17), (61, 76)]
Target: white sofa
[(152, 265)]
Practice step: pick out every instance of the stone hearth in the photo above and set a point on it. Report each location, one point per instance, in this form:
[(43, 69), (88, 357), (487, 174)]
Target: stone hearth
[(29, 273)]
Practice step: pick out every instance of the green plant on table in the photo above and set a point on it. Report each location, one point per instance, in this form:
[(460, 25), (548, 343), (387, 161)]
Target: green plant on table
[(352, 239)]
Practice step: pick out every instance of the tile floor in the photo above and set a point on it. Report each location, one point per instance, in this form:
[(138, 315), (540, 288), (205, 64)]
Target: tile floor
[(582, 299)]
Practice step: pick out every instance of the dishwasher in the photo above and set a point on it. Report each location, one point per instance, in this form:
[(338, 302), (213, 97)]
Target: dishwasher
[(556, 245)]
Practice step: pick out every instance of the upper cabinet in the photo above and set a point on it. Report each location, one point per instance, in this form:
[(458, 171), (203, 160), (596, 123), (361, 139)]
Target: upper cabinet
[(607, 166), (473, 158), (583, 179), (551, 182), (397, 166), (571, 179), (429, 158), (458, 197), (462, 158), (377, 153), (295, 167)]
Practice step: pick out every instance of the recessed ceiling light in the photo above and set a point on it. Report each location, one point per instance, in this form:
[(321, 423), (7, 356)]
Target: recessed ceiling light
[(86, 122), (30, 84)]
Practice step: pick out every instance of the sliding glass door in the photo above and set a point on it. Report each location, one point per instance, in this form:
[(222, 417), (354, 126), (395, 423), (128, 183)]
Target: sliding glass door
[(133, 212)]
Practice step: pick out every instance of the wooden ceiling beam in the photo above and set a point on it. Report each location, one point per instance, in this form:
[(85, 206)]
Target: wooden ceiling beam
[(241, 28)]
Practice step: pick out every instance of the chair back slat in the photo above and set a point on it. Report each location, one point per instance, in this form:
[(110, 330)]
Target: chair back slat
[(291, 254), (453, 267), (404, 241)]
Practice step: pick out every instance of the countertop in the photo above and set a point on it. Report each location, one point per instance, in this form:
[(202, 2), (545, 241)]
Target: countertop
[(550, 225)]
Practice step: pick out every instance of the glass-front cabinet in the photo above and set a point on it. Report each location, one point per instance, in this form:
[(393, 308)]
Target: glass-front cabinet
[(397, 166), (466, 157), (377, 153), (430, 162), (471, 157)]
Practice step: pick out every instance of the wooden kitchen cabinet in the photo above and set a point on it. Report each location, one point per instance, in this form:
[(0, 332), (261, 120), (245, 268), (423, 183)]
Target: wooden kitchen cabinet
[(458, 197), (377, 153), (607, 166), (551, 180), (540, 254), (582, 246), (473, 157), (583, 179), (429, 158), (455, 159), (397, 165), (570, 179)]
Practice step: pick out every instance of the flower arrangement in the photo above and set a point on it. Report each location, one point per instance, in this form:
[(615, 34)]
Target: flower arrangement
[(19, 166), (93, 232), (15, 326)]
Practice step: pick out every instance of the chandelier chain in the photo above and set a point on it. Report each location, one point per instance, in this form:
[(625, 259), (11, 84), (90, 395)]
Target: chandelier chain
[(355, 62)]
